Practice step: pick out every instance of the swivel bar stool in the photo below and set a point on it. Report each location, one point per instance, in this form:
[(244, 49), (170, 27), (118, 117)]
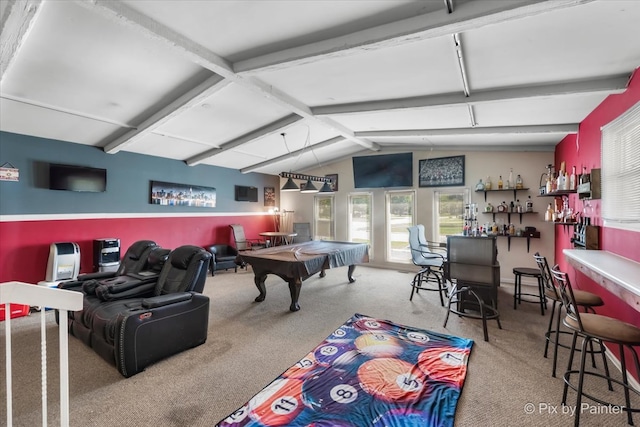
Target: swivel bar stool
[(584, 300), (596, 327)]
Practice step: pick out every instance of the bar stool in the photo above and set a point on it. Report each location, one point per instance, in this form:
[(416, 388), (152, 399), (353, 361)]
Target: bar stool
[(517, 292), (585, 300), (595, 327)]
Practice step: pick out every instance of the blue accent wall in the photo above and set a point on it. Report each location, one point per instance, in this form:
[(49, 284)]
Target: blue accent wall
[(128, 180)]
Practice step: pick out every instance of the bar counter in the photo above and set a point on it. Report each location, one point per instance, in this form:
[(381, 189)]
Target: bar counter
[(617, 274)]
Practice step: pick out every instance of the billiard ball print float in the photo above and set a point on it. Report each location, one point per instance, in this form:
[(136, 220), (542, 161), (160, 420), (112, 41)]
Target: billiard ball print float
[(368, 372)]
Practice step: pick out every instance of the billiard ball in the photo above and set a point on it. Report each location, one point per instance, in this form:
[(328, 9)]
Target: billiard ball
[(378, 344), (278, 403), (332, 391), (414, 337), (331, 354), (370, 324), (391, 379), (303, 368), (448, 364), (344, 332), (238, 418)]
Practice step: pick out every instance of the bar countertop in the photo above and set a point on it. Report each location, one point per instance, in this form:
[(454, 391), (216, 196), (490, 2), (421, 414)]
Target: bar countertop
[(617, 274)]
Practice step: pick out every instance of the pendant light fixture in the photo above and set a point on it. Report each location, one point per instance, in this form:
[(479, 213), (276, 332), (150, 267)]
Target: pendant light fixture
[(326, 188), (290, 186), (309, 187)]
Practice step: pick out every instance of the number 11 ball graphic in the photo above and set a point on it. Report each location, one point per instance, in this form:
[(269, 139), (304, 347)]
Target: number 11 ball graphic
[(278, 403)]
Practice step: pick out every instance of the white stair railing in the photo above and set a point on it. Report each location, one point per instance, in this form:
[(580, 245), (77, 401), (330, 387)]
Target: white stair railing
[(41, 296)]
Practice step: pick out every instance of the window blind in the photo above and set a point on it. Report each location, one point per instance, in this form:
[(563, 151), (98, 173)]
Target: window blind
[(621, 171)]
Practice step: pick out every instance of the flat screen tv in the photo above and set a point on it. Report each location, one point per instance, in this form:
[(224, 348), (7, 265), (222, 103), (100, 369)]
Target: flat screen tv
[(383, 171), (246, 194), (77, 178)]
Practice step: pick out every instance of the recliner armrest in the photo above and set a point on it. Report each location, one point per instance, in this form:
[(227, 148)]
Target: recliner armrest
[(162, 300)]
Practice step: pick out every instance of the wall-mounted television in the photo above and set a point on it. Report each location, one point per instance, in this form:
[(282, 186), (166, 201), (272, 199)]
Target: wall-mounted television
[(77, 178), (246, 194), (383, 171)]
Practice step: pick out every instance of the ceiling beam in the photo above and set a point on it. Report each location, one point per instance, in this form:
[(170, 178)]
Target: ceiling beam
[(184, 102), (608, 85), (248, 137), (127, 16), (500, 130), (299, 152), (467, 16), (16, 21)]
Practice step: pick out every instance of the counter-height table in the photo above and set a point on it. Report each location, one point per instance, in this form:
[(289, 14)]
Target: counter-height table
[(617, 274)]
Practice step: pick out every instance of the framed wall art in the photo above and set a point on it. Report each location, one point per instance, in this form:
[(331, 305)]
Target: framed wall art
[(334, 181), (171, 194), (441, 172), (269, 196)]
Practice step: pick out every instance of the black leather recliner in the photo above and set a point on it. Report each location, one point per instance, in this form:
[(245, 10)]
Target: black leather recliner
[(136, 322), (224, 257), (134, 260)]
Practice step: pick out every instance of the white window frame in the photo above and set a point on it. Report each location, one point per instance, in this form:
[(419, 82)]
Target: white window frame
[(620, 171), (387, 196), (435, 221), (350, 229)]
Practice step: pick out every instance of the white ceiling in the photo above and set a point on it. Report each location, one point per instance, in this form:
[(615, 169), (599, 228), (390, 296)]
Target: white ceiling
[(219, 82)]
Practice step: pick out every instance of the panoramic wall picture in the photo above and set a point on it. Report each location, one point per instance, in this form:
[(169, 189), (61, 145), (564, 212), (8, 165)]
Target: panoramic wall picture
[(441, 172), (171, 194)]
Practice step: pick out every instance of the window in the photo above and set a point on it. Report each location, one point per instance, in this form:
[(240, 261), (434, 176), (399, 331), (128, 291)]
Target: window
[(324, 218), (400, 209), (620, 175), (449, 209), (360, 219)]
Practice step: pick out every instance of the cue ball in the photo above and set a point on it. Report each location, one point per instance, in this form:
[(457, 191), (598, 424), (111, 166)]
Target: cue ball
[(391, 379), (278, 403), (446, 364), (378, 345), (332, 391)]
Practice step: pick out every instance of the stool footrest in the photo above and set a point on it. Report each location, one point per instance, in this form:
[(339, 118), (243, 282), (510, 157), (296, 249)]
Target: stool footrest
[(567, 381)]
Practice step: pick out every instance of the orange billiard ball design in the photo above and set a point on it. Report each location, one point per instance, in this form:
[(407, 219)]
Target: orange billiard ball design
[(391, 379)]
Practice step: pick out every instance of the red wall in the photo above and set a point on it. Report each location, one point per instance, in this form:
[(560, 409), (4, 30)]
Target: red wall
[(584, 149), (24, 245)]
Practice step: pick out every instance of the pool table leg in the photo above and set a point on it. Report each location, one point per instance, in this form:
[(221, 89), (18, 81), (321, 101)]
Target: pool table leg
[(294, 290), (350, 273), (259, 281)]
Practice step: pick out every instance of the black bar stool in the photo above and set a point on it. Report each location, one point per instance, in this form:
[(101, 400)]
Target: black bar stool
[(585, 300), (595, 327), (517, 292)]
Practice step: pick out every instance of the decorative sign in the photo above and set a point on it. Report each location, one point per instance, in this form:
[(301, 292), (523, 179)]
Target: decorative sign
[(9, 173)]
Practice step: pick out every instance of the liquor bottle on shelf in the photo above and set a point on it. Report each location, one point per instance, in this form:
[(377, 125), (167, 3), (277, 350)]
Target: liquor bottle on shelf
[(529, 205), (548, 215), (572, 179), (500, 183), (510, 183), (487, 183), (519, 183)]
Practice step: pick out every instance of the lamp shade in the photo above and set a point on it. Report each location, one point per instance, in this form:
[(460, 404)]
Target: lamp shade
[(309, 187), (290, 186), (326, 188)]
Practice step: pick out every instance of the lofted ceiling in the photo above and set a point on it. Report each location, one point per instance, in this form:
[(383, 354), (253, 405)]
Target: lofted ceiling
[(220, 82)]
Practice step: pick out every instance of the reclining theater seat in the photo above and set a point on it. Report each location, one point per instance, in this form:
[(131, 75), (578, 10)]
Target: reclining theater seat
[(133, 261), (136, 331)]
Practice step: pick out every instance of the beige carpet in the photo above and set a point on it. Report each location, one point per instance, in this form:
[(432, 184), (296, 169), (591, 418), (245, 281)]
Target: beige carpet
[(250, 344)]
